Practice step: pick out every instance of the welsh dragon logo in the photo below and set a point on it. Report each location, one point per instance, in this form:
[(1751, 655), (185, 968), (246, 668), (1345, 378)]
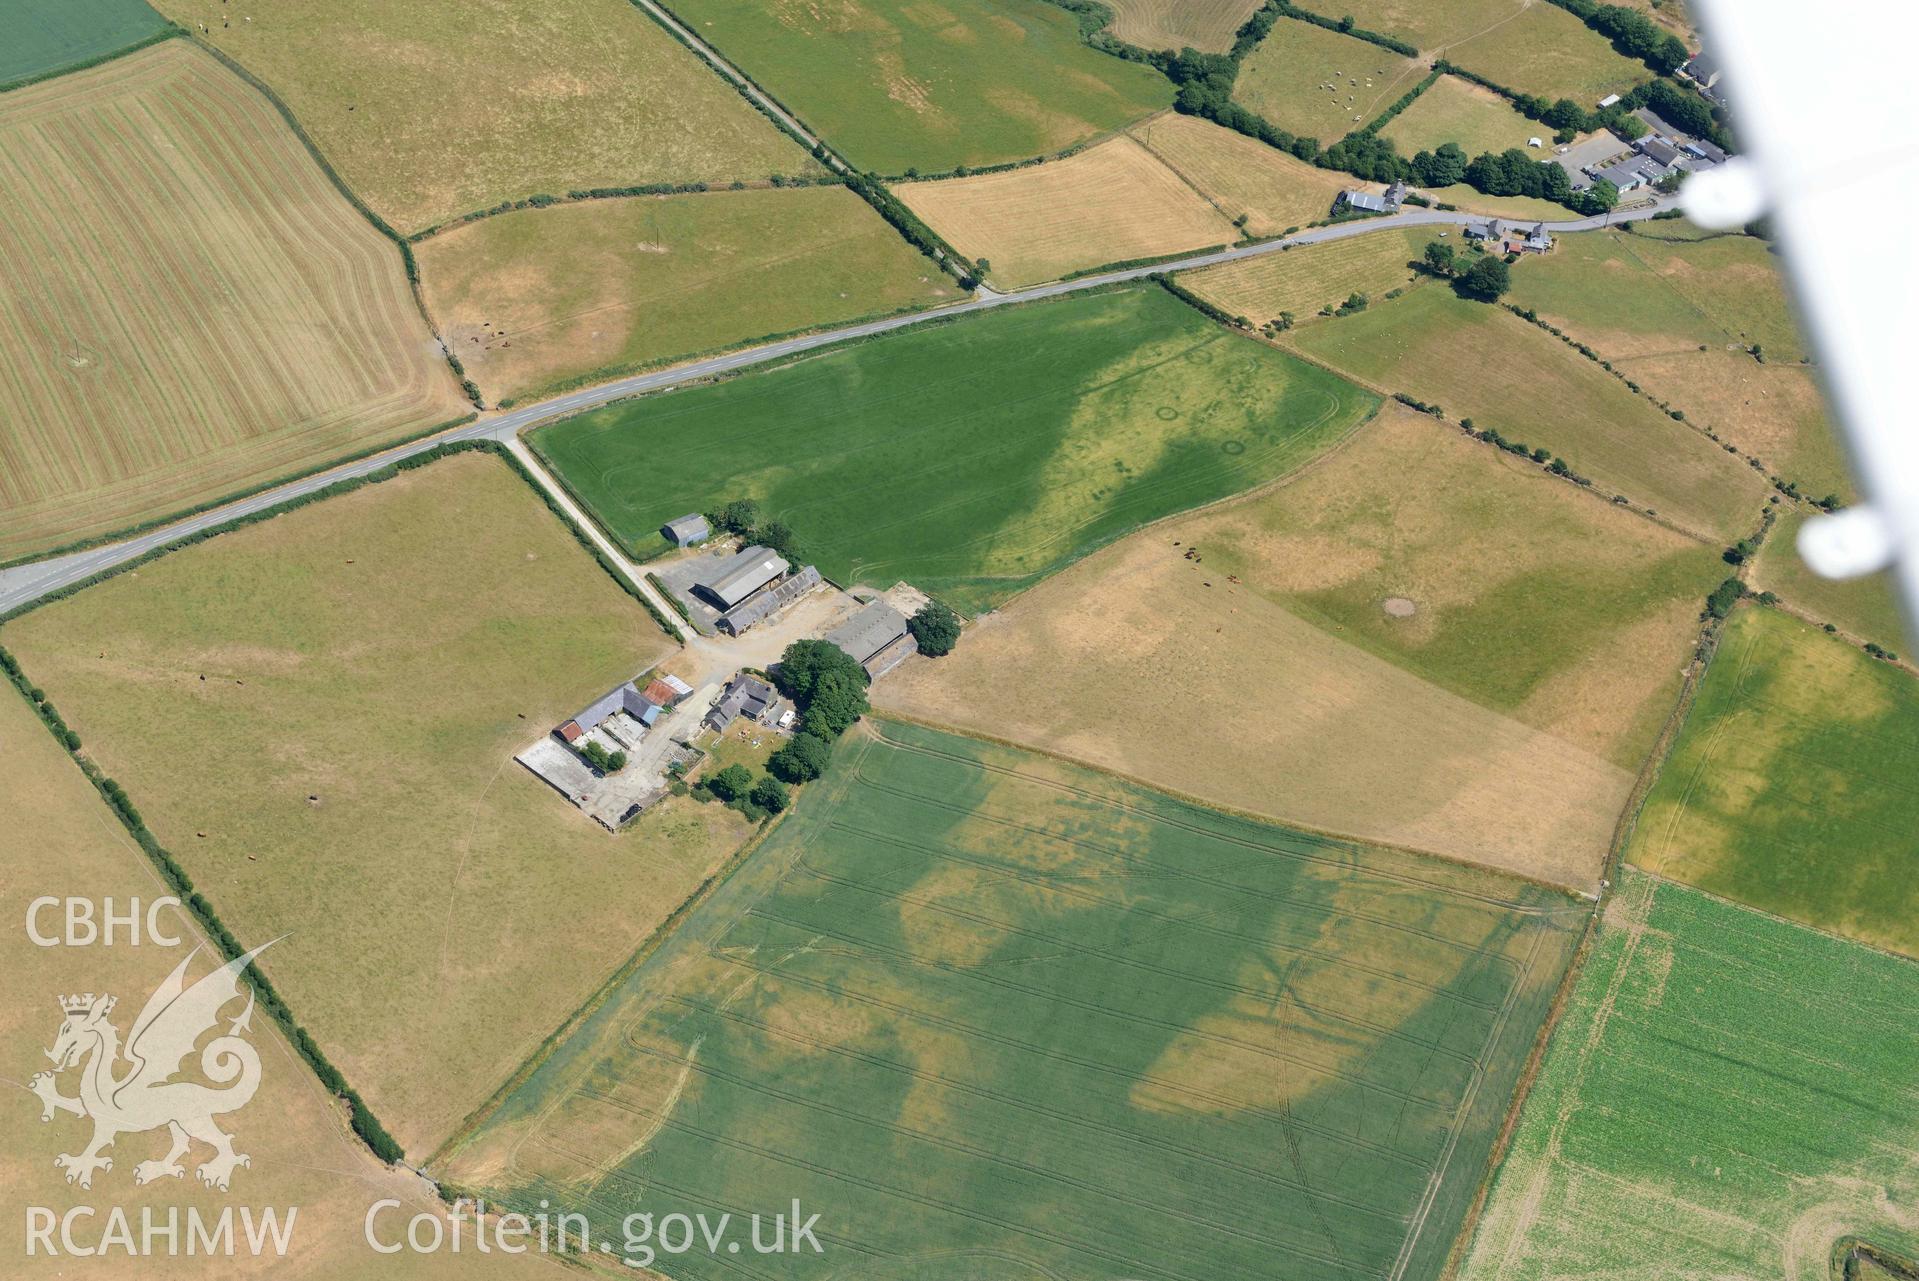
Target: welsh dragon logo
[(142, 1094)]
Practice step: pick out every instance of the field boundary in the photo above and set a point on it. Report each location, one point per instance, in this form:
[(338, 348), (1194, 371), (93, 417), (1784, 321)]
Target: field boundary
[(167, 32), (380, 224), (364, 1122), (596, 999), (211, 504)]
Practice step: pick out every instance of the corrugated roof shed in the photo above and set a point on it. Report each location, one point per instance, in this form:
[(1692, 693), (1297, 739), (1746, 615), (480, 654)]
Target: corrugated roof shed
[(741, 574), (687, 530), (869, 631), (658, 691), (755, 608)]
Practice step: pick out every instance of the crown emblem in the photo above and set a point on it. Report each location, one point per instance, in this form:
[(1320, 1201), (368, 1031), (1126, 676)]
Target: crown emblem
[(80, 1003)]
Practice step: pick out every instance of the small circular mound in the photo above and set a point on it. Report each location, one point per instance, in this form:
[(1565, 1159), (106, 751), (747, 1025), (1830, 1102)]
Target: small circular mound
[(1399, 607)]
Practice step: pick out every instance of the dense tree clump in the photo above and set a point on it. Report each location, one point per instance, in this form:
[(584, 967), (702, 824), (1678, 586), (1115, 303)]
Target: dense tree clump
[(730, 783), (1485, 280), (828, 685), (935, 628), (770, 795), (803, 759)]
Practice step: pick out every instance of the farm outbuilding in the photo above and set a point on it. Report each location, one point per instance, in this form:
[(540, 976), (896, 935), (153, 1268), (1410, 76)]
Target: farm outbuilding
[(876, 638), (766, 603), (684, 531), (738, 576)]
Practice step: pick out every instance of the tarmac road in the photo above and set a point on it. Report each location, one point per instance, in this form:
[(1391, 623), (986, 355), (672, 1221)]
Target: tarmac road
[(27, 583)]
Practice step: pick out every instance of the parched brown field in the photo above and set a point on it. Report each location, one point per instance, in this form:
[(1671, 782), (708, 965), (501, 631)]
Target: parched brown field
[(1499, 723), (1431, 26), (1206, 25), (64, 841), (190, 307), (542, 296), (318, 716), (1456, 110), (1544, 50), (1242, 175), (434, 108), (1112, 202), (1305, 279)]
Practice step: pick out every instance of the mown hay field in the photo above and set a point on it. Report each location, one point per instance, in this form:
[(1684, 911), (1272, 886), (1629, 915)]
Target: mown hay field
[(1484, 363), (434, 108), (191, 308), (1305, 279), (1728, 1095), (1113, 202), (1206, 25), (1544, 50), (1319, 83), (542, 297), (894, 85), (1864, 607), (969, 458), (1455, 110), (980, 1006), (1421, 22), (1678, 317), (318, 715), (38, 37), (64, 841), (1791, 787), (1416, 640), (1272, 190)]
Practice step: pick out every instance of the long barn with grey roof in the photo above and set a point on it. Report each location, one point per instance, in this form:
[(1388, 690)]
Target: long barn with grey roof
[(738, 576)]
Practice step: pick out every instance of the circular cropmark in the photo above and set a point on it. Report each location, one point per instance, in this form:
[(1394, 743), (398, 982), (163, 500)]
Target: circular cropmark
[(1166, 413), (1234, 447)]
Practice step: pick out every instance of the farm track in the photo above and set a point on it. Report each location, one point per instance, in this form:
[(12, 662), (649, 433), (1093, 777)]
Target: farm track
[(25, 584)]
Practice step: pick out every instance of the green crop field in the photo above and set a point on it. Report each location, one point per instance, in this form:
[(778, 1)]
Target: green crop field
[(1865, 607), (1542, 49), (1792, 786), (894, 85), (1680, 318), (42, 36), (548, 296), (318, 716), (1727, 1096), (1484, 363), (1455, 110), (430, 109), (969, 458), (1319, 83), (997, 1016)]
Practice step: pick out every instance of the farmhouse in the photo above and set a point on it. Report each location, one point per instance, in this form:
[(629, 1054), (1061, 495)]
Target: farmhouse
[(1631, 174), (1388, 201), (1704, 71), (1658, 149), (685, 531), (747, 696), (876, 638)]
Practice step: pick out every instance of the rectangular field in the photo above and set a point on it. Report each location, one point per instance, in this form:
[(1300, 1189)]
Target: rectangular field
[(1431, 26), (39, 37), (62, 840), (1455, 110), (1864, 607), (1206, 25), (1542, 49), (1482, 362), (583, 291), (1416, 640), (969, 458), (191, 307), (998, 1016), (1272, 190), (1791, 787), (318, 716), (1114, 202), (896, 85), (1305, 279), (1319, 83), (1679, 317), (1728, 1096), (434, 108)]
